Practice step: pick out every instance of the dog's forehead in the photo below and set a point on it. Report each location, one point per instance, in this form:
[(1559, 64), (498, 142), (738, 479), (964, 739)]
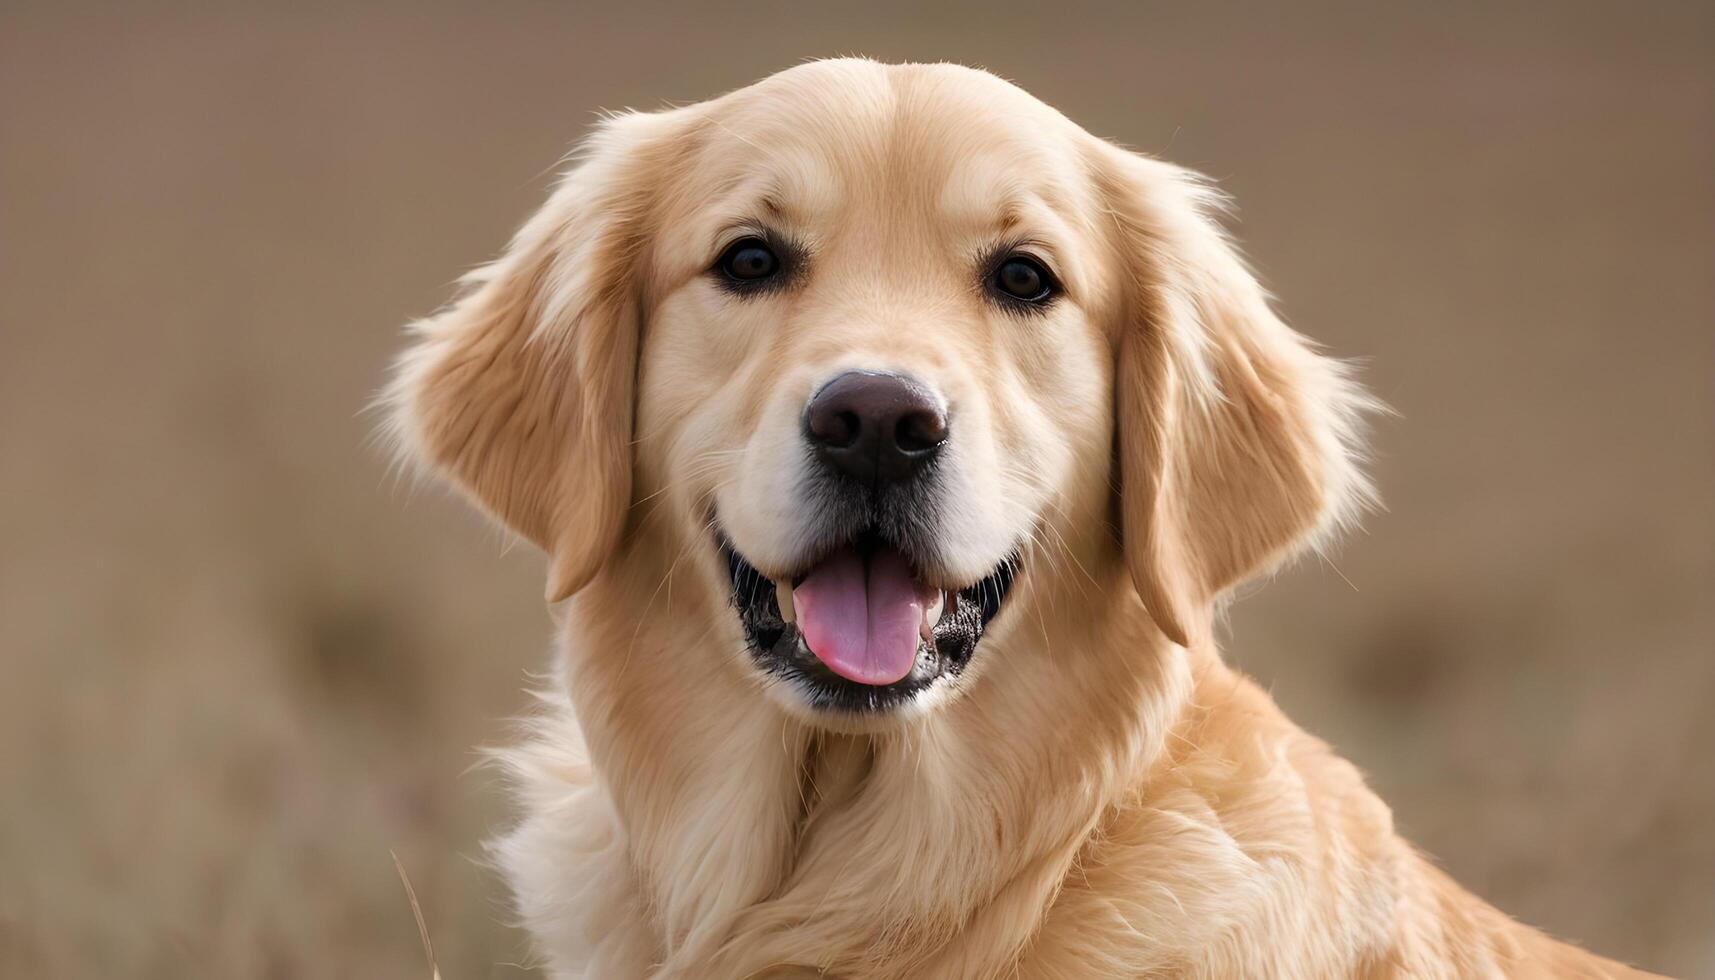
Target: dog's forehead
[(818, 141)]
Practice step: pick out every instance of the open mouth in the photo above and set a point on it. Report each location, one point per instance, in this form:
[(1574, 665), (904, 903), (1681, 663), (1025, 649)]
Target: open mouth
[(860, 629)]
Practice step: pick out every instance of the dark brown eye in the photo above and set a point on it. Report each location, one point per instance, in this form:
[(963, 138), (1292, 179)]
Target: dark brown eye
[(1024, 279), (749, 260)]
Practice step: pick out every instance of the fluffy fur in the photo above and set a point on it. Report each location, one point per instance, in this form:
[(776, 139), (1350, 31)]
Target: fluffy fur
[(1098, 795)]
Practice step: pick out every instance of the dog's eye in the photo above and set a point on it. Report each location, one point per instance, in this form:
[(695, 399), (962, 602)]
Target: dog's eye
[(1024, 279), (749, 260)]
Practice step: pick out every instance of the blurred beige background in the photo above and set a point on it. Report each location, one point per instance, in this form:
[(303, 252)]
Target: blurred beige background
[(238, 664)]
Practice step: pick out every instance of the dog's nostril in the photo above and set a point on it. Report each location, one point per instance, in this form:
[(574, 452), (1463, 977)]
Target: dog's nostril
[(920, 432), (832, 427)]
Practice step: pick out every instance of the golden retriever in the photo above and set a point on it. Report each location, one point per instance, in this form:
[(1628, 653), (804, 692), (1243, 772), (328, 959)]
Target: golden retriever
[(895, 442)]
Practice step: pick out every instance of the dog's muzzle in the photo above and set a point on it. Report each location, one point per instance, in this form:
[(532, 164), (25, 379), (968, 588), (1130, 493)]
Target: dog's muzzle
[(860, 626)]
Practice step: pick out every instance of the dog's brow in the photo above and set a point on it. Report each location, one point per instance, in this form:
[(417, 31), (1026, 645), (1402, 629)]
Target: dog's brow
[(756, 206), (774, 200), (989, 195)]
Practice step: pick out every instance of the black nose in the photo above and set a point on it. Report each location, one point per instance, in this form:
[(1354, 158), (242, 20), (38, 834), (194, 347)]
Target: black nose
[(874, 426)]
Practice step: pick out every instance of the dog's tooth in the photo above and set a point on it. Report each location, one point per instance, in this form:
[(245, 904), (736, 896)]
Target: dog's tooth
[(783, 596), (931, 616)]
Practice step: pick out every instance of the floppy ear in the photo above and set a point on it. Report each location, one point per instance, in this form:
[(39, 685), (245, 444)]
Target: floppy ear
[(1237, 442), (521, 391)]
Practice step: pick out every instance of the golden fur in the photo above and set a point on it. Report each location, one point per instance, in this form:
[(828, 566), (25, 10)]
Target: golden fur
[(1098, 795)]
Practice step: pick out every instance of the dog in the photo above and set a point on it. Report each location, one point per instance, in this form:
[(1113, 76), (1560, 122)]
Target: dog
[(894, 444)]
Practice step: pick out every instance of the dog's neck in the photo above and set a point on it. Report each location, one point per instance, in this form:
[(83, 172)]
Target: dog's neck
[(750, 829)]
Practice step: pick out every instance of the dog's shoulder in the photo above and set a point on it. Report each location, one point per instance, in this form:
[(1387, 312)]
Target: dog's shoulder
[(1250, 848), (1246, 849)]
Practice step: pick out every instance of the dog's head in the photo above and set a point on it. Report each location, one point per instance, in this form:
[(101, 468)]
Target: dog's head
[(871, 347)]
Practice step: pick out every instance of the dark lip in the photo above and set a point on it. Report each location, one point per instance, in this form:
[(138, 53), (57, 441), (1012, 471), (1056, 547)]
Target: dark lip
[(777, 647)]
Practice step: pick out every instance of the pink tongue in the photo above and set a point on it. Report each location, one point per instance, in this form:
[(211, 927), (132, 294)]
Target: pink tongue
[(861, 621)]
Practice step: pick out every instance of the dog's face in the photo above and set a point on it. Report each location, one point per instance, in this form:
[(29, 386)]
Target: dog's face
[(868, 347), (871, 367)]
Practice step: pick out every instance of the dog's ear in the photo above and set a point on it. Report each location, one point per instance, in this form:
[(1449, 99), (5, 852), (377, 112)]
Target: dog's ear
[(1237, 442), (521, 391)]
